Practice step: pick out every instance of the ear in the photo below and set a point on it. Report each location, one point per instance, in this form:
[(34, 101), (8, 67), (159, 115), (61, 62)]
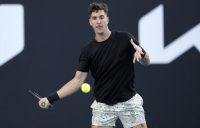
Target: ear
[(90, 22)]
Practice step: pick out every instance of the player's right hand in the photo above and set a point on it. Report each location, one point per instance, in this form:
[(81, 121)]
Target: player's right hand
[(44, 103)]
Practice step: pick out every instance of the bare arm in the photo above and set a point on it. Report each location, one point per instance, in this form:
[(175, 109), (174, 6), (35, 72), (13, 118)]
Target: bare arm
[(69, 88), (73, 85)]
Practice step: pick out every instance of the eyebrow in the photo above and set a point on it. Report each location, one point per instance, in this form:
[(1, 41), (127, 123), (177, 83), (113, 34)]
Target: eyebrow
[(97, 16)]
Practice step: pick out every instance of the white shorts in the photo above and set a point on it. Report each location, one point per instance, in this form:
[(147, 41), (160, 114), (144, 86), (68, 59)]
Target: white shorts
[(130, 113)]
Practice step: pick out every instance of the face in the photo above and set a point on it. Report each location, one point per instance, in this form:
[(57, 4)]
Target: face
[(99, 21)]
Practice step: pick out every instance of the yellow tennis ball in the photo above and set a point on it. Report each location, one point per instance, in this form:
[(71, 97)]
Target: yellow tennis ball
[(85, 88)]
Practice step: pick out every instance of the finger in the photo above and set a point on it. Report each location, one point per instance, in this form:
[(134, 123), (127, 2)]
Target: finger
[(134, 59), (138, 58), (40, 104), (140, 50), (139, 55), (131, 40), (135, 56), (40, 101), (133, 44)]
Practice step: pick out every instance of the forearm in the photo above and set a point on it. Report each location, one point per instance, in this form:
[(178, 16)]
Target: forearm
[(69, 88)]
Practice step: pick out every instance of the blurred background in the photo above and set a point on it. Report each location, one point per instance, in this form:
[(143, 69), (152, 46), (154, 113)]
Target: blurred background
[(40, 43)]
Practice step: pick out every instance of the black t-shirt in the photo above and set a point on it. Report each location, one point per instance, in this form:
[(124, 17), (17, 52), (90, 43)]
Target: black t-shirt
[(111, 65)]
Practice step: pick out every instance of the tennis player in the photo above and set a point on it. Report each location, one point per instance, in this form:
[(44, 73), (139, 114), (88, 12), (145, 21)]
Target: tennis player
[(110, 57)]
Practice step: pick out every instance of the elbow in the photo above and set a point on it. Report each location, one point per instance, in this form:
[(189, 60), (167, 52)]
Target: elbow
[(78, 80), (79, 77)]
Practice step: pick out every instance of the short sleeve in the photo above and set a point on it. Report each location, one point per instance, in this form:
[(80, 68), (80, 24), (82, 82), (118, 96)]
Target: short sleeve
[(83, 61)]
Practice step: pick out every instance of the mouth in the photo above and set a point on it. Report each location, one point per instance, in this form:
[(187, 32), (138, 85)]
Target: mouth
[(99, 27)]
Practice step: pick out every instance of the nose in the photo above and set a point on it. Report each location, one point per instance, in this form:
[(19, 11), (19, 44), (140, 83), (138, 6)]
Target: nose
[(98, 21)]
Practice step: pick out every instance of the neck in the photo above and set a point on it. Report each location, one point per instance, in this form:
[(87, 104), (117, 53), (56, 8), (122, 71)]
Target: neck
[(103, 36)]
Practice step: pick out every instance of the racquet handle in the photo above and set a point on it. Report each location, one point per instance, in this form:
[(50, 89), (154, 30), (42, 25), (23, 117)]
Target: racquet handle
[(37, 96)]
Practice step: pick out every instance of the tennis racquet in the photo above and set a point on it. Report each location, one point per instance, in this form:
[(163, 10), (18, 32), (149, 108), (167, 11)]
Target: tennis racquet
[(37, 96)]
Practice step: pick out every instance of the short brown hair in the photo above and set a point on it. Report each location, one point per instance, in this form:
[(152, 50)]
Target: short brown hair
[(94, 7)]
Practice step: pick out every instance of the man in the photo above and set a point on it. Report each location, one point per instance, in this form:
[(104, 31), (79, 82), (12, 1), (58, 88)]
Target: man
[(110, 57)]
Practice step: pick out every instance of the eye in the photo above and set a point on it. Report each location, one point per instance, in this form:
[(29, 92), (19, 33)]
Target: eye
[(94, 18), (102, 17)]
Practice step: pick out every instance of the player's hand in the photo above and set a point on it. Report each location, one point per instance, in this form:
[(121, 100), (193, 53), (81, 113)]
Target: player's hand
[(138, 52), (44, 103), (137, 56)]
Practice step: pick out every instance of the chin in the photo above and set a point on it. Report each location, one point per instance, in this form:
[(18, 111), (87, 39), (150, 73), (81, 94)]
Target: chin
[(100, 32)]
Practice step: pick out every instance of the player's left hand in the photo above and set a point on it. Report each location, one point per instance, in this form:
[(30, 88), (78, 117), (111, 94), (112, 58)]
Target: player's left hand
[(138, 52)]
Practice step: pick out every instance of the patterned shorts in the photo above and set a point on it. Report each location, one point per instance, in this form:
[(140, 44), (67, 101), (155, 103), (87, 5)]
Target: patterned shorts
[(130, 113)]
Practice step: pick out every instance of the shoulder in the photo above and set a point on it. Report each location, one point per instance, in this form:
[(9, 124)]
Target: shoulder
[(124, 34), (127, 35), (87, 47), (118, 32), (88, 44)]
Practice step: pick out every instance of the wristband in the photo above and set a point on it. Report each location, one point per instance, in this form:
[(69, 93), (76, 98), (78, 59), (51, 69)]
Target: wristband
[(53, 97)]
